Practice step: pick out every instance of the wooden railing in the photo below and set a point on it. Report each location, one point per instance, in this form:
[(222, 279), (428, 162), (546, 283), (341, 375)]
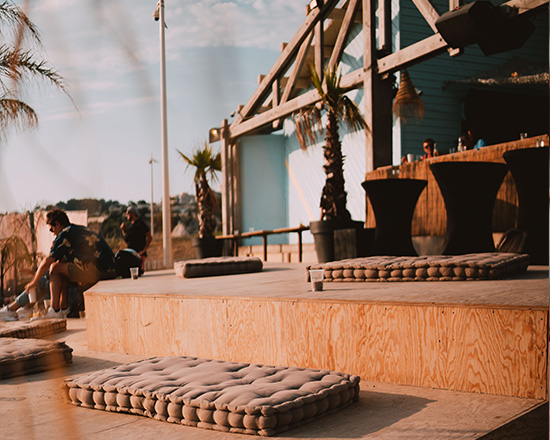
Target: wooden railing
[(234, 238), (429, 216)]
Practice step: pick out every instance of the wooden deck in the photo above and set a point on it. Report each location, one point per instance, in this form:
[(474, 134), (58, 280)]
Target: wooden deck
[(483, 330), (31, 408), (485, 337)]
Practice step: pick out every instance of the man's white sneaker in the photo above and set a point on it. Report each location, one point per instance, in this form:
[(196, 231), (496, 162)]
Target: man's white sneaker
[(24, 313), (8, 315), (50, 314)]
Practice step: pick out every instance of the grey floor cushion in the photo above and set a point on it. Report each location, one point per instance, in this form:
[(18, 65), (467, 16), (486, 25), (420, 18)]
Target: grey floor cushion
[(219, 395), (19, 357), (481, 266), (206, 267), (32, 329)]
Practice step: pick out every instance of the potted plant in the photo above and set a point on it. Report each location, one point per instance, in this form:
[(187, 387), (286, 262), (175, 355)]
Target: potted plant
[(206, 164), (338, 109)]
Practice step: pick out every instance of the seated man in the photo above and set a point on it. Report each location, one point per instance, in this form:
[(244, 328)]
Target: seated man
[(78, 255)]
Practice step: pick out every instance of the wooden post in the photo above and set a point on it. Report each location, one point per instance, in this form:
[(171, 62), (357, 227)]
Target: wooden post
[(236, 187), (264, 237), (226, 189), (319, 44), (300, 245), (378, 92)]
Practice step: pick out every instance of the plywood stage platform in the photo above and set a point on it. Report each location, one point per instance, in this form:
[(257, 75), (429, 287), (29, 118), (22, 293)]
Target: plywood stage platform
[(486, 337), (31, 407)]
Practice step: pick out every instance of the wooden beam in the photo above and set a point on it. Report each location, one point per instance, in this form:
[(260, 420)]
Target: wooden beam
[(350, 81), (285, 59), (298, 64), (384, 26), (412, 54), (343, 34), (340, 13), (301, 83), (369, 65), (428, 12), (319, 48), (526, 5), (226, 189)]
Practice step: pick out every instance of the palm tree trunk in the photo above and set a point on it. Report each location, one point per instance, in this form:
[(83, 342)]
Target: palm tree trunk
[(334, 196), (206, 223)]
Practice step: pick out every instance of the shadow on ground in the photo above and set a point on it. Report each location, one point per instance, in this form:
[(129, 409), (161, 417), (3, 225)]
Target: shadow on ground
[(373, 412)]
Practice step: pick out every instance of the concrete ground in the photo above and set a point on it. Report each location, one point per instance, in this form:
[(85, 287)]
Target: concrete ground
[(32, 406)]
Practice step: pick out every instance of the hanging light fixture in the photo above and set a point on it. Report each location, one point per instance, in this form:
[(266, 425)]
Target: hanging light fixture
[(407, 103)]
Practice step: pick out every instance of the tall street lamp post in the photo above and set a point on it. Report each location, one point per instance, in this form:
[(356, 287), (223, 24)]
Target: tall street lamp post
[(151, 162), (166, 229)]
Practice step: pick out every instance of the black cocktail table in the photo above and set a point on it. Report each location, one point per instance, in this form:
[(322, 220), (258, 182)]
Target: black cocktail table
[(393, 202), (469, 190), (529, 167)]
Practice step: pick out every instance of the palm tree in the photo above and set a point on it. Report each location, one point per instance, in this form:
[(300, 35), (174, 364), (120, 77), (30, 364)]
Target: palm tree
[(206, 164), (339, 109), (17, 66)]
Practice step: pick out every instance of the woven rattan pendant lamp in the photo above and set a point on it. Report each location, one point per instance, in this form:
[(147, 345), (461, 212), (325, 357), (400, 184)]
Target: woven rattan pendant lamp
[(407, 103)]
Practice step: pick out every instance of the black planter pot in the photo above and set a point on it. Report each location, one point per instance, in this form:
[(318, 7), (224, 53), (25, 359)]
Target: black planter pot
[(207, 247), (323, 237), (337, 241)]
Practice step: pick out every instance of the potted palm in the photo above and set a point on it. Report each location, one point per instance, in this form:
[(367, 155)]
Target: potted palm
[(206, 164), (339, 109)]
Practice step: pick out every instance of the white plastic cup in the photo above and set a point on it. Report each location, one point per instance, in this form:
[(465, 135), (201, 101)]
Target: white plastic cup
[(134, 272), (32, 295), (316, 277), (410, 157)]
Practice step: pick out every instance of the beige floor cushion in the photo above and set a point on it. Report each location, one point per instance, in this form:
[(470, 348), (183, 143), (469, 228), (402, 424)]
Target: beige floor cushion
[(20, 357), (224, 396), (217, 266), (481, 266), (31, 329)]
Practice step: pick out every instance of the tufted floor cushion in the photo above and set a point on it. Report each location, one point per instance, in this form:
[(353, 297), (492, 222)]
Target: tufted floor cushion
[(223, 396), (19, 357), (217, 266), (481, 266), (32, 329)]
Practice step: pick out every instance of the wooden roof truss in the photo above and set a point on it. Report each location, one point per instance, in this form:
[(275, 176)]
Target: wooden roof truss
[(321, 40)]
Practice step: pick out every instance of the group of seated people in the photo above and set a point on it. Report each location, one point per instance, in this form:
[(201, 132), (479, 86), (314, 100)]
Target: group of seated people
[(78, 259)]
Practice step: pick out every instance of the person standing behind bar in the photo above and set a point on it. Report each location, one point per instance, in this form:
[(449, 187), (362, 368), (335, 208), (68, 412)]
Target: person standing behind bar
[(472, 141), (429, 149), (137, 236)]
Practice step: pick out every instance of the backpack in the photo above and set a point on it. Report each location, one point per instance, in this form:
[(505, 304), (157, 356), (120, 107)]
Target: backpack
[(125, 259)]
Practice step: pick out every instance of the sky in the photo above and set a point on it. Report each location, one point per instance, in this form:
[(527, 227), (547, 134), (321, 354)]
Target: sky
[(98, 143)]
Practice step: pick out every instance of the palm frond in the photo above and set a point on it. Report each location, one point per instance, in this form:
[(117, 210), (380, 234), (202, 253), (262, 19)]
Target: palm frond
[(204, 160), (316, 80), (350, 115), (20, 65), (307, 123), (16, 113), (14, 17)]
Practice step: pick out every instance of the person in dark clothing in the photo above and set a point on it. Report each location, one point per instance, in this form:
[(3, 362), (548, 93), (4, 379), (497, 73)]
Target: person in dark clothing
[(137, 236)]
